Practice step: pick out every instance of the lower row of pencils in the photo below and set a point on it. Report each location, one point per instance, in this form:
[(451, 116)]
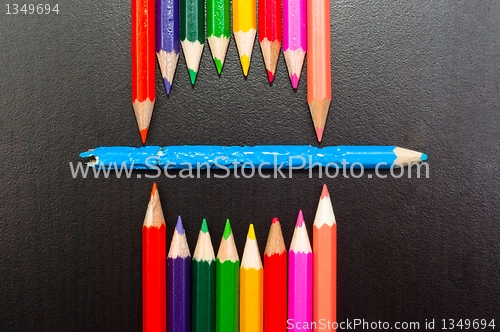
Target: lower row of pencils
[(205, 293)]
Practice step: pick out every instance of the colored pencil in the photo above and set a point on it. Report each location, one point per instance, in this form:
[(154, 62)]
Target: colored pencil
[(154, 301), (300, 259), (143, 63), (265, 156), (203, 283), (244, 29), (275, 290), (167, 39), (218, 30), (227, 290), (294, 37), (179, 282), (319, 76), (192, 34), (251, 286), (324, 261), (270, 34)]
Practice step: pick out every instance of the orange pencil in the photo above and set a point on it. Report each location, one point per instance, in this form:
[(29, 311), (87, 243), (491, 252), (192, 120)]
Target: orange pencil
[(319, 76), (154, 262), (324, 262)]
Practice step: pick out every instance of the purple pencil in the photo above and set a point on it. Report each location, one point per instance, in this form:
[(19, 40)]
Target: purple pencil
[(294, 37), (167, 39), (300, 279), (179, 282)]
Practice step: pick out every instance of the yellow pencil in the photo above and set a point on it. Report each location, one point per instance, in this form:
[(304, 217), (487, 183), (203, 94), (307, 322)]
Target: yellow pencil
[(244, 29), (251, 286)]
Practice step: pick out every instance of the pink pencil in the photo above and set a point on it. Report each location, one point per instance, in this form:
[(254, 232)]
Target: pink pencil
[(300, 279), (294, 37)]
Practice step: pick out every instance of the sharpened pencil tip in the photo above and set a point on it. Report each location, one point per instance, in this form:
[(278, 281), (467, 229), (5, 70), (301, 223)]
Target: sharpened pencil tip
[(168, 86), (424, 157), (218, 65), (144, 135), (319, 133), (270, 76), (204, 226), (245, 64), (227, 230), (153, 191), (275, 220), (324, 192), (251, 232), (179, 228), (295, 81), (192, 76), (300, 219)]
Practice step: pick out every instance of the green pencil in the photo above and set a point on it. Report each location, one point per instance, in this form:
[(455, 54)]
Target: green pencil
[(192, 34), (218, 30), (203, 283), (228, 283)]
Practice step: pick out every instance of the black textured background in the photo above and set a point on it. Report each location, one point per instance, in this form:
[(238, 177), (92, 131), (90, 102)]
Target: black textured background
[(419, 74)]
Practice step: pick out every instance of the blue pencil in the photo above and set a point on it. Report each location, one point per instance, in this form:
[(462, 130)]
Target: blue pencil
[(263, 156), (167, 39), (179, 282)]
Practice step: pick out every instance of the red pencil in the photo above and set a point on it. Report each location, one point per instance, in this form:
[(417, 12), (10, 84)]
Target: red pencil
[(143, 63), (154, 267), (275, 288), (270, 34)]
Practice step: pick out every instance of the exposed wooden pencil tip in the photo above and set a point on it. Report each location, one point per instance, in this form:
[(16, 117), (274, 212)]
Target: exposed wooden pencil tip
[(154, 213), (144, 135), (406, 156), (319, 112), (324, 192)]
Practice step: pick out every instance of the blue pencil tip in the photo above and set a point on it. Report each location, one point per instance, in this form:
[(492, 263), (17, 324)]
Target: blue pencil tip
[(168, 86), (424, 157), (179, 228)]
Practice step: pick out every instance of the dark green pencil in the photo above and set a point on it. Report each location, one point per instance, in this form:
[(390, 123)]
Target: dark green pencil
[(192, 34), (228, 283), (203, 283)]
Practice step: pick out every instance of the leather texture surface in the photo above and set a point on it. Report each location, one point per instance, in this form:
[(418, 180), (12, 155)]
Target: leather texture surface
[(423, 75)]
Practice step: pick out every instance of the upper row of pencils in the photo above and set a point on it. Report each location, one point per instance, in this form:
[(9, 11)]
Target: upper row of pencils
[(209, 294), (183, 22)]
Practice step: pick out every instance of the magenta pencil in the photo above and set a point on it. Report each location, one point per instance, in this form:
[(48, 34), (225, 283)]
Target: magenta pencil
[(300, 279), (294, 37)]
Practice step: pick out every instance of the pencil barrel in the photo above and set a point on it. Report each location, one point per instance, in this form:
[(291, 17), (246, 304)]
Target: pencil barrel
[(203, 296), (154, 278), (179, 294), (218, 18), (192, 20), (227, 296)]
